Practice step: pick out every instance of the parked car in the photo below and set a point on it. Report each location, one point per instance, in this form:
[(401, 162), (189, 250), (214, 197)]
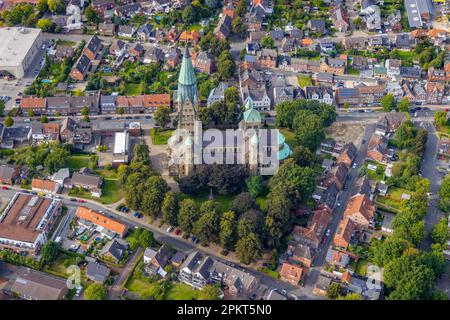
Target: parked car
[(81, 201), (169, 229), (73, 199), (79, 290), (177, 231), (5, 188)]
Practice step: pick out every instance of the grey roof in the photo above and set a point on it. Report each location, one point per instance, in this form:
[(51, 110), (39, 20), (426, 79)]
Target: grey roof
[(116, 249), (86, 180), (61, 174), (97, 272), (411, 72), (108, 126), (347, 92), (126, 29), (329, 195), (83, 64), (178, 257), (416, 9), (38, 285), (320, 91), (146, 29), (16, 133), (7, 171), (362, 186), (234, 276), (94, 44), (107, 101)]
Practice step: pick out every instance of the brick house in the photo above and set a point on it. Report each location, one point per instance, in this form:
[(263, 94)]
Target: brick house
[(337, 175), (267, 58), (35, 104), (348, 155), (292, 273), (377, 148), (360, 211), (344, 233)]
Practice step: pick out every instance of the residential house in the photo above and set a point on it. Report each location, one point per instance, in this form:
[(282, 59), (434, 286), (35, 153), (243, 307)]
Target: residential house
[(195, 270), (108, 226), (45, 132), (11, 137), (93, 48), (61, 176), (313, 233), (348, 155), (35, 285), (292, 273), (156, 261), (217, 94), (372, 17), (393, 67), (107, 29), (204, 62), (172, 58), (318, 26), (411, 73), (332, 65), (338, 258), (9, 174), (148, 103), (390, 122), (47, 186), (436, 75), (319, 93), (283, 94), (229, 10), (435, 92), (354, 43), (114, 250), (305, 65), (340, 20), (267, 58), (153, 55), (322, 285), (118, 48), (128, 11), (300, 253), (97, 272), (81, 68), (108, 104), (241, 284), (136, 50), (90, 182), (37, 105), (359, 63), (337, 175), (190, 37), (259, 98), (72, 105), (344, 233), (178, 258), (126, 31), (146, 32), (223, 29), (403, 41), (378, 148), (361, 211), (362, 186)]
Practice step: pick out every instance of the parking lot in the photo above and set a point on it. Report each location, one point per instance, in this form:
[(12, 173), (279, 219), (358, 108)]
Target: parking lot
[(13, 88)]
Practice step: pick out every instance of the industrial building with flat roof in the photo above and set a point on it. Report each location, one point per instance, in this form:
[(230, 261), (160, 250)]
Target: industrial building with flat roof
[(18, 49), (26, 221)]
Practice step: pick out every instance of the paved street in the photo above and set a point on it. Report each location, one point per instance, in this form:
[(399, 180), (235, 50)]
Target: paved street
[(338, 211)]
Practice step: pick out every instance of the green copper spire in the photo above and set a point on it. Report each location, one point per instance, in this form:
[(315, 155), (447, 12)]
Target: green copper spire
[(187, 82)]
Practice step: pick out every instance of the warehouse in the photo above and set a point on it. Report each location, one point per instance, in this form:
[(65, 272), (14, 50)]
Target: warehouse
[(18, 50)]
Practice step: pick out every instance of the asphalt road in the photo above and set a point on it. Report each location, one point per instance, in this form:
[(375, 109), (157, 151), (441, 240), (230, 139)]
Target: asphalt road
[(338, 211)]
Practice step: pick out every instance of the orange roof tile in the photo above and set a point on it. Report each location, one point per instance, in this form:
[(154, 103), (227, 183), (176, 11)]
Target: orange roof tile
[(307, 42), (43, 184), (101, 220), (151, 100), (33, 102), (360, 204), (291, 272)]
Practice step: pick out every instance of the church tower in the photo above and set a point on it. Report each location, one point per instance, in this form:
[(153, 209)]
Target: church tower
[(187, 94)]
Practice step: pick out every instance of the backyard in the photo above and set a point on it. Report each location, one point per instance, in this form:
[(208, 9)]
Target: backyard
[(78, 161), (392, 200), (160, 137)]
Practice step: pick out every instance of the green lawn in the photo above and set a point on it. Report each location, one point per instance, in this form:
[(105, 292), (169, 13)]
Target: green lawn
[(181, 291), (142, 288), (76, 162), (270, 273), (132, 89), (373, 175), (443, 129), (194, 27), (393, 198), (290, 137), (224, 201), (160, 137), (361, 267), (352, 71), (304, 81), (111, 192)]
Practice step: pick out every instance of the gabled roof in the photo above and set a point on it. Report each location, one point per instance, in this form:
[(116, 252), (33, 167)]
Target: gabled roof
[(360, 204)]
